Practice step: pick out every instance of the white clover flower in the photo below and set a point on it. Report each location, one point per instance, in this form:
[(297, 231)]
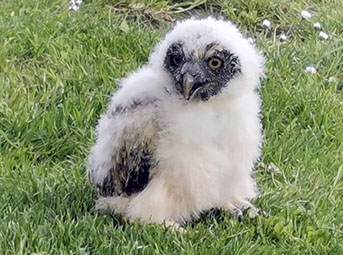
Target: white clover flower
[(323, 35), (306, 14), (283, 37), (311, 70), (317, 26), (331, 79), (74, 5), (266, 23)]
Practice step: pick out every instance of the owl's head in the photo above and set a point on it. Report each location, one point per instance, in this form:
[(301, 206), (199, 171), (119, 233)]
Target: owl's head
[(208, 57)]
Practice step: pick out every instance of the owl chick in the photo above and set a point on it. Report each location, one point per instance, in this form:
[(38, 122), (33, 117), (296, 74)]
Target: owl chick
[(181, 134)]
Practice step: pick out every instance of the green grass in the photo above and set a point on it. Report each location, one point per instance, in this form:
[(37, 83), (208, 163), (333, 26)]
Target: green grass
[(57, 71)]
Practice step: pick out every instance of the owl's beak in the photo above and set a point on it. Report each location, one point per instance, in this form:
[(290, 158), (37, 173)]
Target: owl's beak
[(191, 79), (191, 85), (188, 82)]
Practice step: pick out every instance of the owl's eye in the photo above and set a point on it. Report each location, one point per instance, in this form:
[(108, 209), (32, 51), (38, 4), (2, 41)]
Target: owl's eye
[(215, 63), (176, 60)]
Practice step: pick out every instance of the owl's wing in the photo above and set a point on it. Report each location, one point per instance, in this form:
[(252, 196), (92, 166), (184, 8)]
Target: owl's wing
[(123, 156)]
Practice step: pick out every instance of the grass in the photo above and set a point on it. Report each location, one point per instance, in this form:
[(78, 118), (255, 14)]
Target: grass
[(57, 71)]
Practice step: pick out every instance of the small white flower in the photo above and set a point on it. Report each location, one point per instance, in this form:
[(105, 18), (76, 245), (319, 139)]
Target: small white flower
[(323, 35), (74, 5), (266, 23), (306, 14), (317, 26), (331, 79), (311, 69), (75, 8), (283, 37)]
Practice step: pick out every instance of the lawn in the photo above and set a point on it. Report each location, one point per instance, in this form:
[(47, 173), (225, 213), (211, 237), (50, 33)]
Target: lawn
[(57, 71)]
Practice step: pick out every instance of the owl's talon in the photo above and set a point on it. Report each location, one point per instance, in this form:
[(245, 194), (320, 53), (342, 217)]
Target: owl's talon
[(253, 212), (174, 227), (234, 211), (245, 207), (239, 214)]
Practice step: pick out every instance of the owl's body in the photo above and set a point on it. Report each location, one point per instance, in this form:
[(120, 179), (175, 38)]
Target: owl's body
[(168, 153)]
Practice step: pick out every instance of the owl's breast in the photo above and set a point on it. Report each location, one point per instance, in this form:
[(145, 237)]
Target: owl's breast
[(192, 124), (230, 128)]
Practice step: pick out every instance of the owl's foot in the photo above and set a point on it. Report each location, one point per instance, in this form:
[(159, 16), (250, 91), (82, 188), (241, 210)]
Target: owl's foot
[(176, 227), (240, 206), (117, 204), (234, 211)]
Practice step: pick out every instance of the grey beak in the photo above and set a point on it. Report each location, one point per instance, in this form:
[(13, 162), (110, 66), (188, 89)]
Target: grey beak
[(188, 82), (190, 73)]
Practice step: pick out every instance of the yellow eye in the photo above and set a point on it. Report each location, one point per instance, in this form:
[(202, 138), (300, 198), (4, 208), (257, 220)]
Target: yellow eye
[(215, 63)]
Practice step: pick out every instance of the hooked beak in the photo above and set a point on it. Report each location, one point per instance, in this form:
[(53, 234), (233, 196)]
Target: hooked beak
[(188, 82), (190, 86)]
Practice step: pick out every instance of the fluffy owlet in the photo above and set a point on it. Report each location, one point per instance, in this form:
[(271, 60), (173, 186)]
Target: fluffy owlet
[(182, 133)]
